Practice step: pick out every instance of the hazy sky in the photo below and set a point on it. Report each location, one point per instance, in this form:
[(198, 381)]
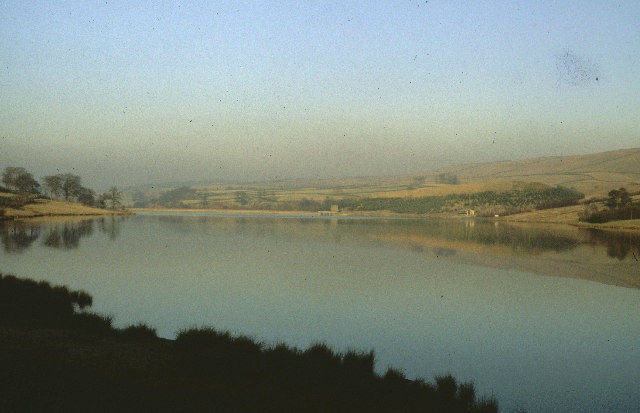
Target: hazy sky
[(134, 92)]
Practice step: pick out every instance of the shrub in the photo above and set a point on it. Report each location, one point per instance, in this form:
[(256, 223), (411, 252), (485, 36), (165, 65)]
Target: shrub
[(139, 331), (394, 375), (93, 323), (359, 364)]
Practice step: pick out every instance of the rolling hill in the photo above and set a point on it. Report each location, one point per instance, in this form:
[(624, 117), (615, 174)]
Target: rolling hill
[(593, 175)]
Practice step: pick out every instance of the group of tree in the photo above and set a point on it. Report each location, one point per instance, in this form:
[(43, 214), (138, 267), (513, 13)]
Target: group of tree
[(18, 179), (620, 207), (60, 186), (618, 198)]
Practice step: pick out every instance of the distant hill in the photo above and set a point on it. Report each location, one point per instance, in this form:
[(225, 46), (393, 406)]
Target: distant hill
[(594, 174)]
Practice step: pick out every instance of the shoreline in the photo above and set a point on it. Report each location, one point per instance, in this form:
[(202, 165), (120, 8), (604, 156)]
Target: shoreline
[(45, 208), (555, 217), (627, 225)]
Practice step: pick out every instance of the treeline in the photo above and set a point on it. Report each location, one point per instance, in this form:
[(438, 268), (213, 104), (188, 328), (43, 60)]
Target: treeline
[(619, 206), (488, 202), (60, 186), (131, 369)]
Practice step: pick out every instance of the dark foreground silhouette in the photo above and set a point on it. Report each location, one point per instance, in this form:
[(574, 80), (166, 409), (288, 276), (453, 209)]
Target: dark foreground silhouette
[(56, 357)]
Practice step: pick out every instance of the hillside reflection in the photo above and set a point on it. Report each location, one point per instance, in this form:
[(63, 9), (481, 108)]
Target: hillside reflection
[(446, 235), (555, 250), (603, 256)]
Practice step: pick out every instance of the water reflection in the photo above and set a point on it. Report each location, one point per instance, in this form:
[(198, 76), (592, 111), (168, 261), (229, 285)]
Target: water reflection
[(17, 236), (603, 256), (558, 250), (110, 226), (67, 235), (437, 233)]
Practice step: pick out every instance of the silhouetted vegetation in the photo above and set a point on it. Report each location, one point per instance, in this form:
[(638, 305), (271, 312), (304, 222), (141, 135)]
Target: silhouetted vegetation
[(139, 331), (27, 303), (201, 370)]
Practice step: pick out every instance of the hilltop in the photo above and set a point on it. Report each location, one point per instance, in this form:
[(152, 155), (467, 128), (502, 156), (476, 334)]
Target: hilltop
[(593, 174)]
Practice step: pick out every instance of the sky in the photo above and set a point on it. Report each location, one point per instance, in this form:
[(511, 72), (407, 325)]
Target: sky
[(133, 92)]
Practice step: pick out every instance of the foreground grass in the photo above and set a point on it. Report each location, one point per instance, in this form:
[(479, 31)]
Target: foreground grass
[(56, 357)]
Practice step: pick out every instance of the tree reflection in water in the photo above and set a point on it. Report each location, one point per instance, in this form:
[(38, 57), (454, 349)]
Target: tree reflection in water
[(618, 244), (16, 236), (67, 235), (110, 226)]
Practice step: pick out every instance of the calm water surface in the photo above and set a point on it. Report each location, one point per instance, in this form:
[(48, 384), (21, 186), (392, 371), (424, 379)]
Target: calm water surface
[(545, 319)]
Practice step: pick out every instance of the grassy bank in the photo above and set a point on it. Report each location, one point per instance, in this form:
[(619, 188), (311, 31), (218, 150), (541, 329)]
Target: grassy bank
[(56, 356), (48, 207)]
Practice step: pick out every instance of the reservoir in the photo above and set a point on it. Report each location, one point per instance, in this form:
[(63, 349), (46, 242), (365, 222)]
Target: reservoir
[(544, 318)]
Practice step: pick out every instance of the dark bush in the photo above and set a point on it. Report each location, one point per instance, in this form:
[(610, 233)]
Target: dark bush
[(359, 364), (394, 375), (139, 331), (93, 323), (204, 370)]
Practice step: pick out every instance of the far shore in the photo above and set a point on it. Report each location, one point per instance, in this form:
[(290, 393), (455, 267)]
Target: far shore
[(562, 216), (48, 209)]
